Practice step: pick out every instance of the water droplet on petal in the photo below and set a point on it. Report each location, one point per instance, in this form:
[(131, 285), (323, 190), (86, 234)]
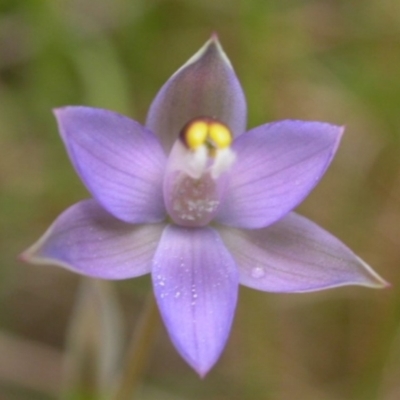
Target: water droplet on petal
[(257, 272)]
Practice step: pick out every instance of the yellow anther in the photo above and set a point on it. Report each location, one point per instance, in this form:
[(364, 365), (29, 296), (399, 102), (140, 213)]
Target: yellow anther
[(220, 135), (206, 131), (206, 148), (196, 134)]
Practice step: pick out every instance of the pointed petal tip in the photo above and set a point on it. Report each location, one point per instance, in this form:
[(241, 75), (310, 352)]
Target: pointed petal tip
[(386, 285), (202, 373), (32, 255), (61, 114), (339, 135), (341, 129), (375, 281), (58, 111), (215, 42), (214, 37), (378, 283), (201, 370), (28, 255), (212, 44), (23, 257)]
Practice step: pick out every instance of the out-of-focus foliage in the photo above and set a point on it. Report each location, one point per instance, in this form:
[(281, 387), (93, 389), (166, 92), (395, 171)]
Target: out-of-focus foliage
[(329, 60)]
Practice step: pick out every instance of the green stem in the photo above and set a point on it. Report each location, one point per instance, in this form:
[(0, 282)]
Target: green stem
[(138, 352)]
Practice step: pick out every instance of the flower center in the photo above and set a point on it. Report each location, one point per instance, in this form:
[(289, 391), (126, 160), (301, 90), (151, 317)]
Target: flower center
[(195, 179), (208, 142)]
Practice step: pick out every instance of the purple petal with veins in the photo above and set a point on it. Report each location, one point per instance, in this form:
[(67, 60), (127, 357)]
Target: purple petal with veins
[(195, 281), (88, 240), (277, 165), (205, 86), (183, 168), (296, 255), (120, 161)]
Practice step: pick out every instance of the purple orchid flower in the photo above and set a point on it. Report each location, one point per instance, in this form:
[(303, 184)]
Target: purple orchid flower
[(198, 203)]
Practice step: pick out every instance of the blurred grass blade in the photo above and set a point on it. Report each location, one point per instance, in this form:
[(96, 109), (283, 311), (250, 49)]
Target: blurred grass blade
[(138, 352), (103, 77), (94, 341)]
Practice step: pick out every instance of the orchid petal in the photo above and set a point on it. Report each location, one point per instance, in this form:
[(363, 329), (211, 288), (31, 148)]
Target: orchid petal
[(296, 255), (120, 161), (277, 165), (206, 86), (90, 241), (195, 282)]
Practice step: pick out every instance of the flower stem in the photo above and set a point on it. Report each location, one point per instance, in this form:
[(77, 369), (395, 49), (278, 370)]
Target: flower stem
[(137, 352)]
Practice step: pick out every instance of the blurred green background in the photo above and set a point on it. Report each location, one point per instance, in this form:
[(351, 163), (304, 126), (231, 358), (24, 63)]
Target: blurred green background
[(328, 60)]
